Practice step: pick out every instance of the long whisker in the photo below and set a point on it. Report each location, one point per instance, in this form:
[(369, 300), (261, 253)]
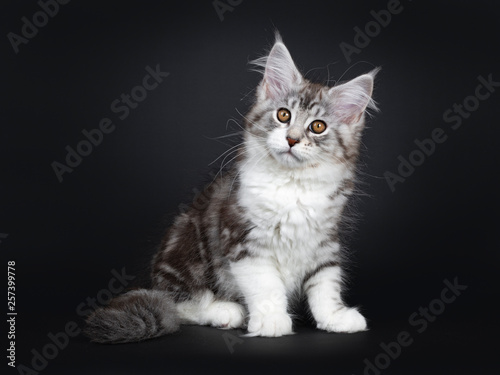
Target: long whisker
[(244, 166), (225, 152), (352, 66), (245, 130), (251, 122), (225, 136), (246, 149), (248, 93), (224, 163)]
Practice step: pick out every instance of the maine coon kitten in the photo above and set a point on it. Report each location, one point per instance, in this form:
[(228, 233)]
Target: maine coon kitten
[(269, 232)]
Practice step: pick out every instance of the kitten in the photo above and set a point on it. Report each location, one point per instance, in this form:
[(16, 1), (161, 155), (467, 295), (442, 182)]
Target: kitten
[(269, 231)]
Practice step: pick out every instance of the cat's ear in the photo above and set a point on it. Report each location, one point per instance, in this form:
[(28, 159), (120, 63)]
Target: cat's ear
[(351, 99), (280, 73)]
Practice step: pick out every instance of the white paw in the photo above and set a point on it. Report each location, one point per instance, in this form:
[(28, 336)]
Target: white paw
[(227, 315), (346, 319), (270, 325)]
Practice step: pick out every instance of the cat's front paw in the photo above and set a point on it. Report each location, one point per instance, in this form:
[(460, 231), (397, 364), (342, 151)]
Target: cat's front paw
[(346, 320), (270, 325), (228, 315)]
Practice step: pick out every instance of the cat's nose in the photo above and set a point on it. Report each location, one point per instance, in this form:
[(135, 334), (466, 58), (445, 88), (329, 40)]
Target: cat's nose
[(292, 141)]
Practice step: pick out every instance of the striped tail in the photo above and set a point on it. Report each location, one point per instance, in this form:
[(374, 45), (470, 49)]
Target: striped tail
[(134, 316)]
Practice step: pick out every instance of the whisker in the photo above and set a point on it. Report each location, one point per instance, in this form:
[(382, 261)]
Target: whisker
[(225, 152), (248, 93), (245, 130), (224, 136), (246, 149), (251, 122), (244, 166), (224, 163), (352, 66)]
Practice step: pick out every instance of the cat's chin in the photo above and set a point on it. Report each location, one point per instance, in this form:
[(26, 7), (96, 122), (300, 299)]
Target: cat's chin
[(289, 159)]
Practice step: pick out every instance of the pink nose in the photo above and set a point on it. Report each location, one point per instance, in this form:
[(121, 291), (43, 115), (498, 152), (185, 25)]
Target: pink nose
[(292, 141)]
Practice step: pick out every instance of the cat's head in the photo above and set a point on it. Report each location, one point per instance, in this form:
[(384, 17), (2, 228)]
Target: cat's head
[(300, 123)]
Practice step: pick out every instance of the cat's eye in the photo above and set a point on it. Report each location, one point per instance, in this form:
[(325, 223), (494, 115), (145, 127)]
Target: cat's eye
[(284, 115), (317, 127)]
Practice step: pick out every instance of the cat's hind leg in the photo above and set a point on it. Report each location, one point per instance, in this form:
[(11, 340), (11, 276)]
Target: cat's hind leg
[(206, 309)]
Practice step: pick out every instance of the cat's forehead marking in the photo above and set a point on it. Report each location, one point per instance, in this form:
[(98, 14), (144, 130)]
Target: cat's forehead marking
[(310, 93), (316, 109), (308, 99), (292, 102)]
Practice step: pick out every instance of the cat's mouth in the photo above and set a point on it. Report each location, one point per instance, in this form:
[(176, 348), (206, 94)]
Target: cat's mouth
[(290, 152), (289, 156)]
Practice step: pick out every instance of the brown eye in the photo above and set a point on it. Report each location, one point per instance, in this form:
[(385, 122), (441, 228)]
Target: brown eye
[(284, 115), (317, 127)]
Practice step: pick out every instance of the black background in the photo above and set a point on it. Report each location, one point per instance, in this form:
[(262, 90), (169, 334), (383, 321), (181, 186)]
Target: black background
[(109, 213)]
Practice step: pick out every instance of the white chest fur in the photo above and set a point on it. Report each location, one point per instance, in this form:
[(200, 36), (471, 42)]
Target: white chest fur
[(292, 213)]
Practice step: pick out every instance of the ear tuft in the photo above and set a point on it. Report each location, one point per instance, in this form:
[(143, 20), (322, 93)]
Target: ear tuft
[(280, 73), (352, 98)]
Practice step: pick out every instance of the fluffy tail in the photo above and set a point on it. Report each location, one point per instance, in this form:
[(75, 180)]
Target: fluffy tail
[(134, 316)]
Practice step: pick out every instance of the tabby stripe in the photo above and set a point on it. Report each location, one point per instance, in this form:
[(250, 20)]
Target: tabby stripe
[(345, 188), (321, 267), (312, 105), (341, 142), (165, 268), (210, 272), (241, 255), (202, 244), (256, 118), (332, 244), (292, 103), (170, 279)]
